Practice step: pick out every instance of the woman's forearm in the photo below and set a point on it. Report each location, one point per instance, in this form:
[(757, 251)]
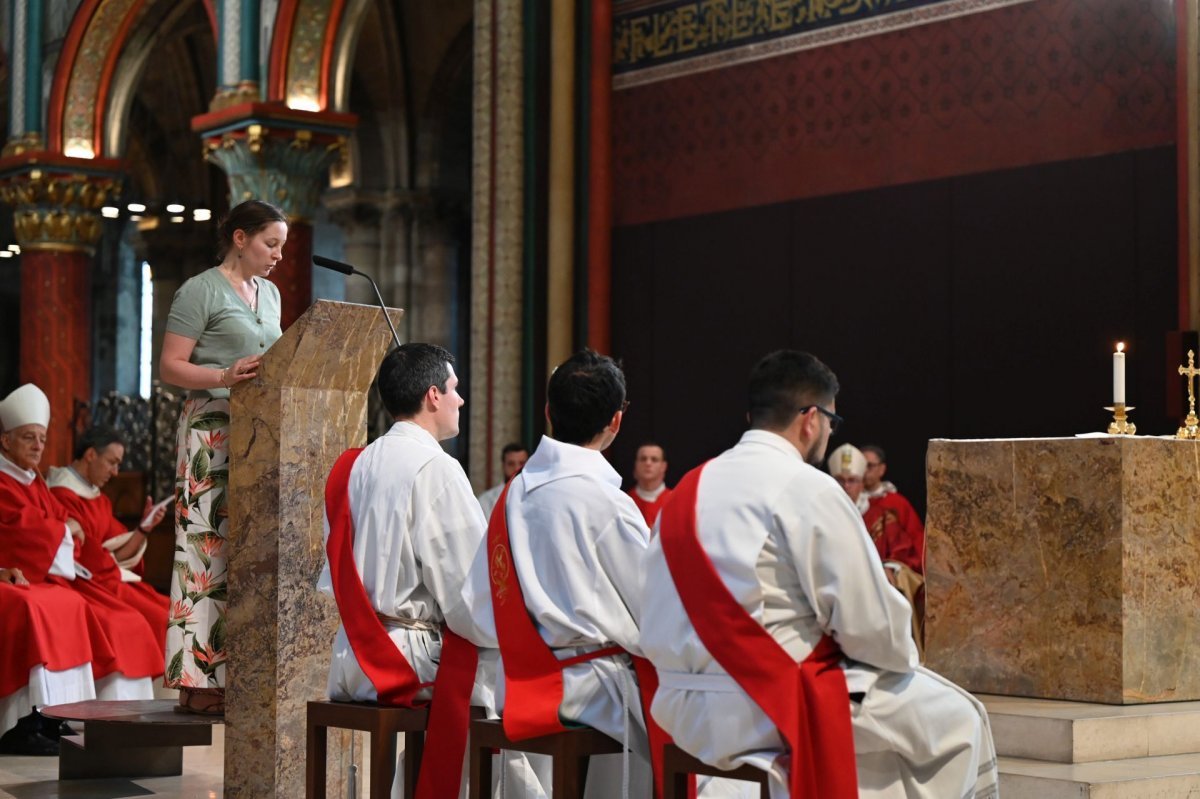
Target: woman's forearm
[(190, 376)]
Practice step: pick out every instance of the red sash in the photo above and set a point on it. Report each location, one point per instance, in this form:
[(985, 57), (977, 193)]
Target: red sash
[(533, 676), (384, 664), (807, 701)]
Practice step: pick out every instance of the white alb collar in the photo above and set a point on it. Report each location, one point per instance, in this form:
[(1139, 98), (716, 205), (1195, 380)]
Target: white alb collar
[(22, 476), (67, 477), (554, 460)]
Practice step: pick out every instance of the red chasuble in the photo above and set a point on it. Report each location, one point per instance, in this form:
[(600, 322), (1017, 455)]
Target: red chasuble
[(807, 701), (32, 525), (96, 517), (395, 681), (533, 675), (41, 625), (897, 531), (650, 509)]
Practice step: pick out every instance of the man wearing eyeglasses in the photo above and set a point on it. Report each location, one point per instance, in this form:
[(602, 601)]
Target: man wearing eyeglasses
[(776, 631), (873, 483)]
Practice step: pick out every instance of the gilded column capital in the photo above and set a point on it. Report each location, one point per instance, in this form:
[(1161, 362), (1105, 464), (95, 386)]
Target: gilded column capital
[(275, 153), (56, 200)]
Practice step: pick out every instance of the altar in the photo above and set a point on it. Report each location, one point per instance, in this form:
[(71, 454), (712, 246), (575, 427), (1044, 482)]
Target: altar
[(1065, 568)]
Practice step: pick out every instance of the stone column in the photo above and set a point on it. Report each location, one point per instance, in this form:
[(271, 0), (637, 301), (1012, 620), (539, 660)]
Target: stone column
[(56, 202), (280, 155)]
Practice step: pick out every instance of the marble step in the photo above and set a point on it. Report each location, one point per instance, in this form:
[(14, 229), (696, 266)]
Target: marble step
[(1166, 777), (1080, 732)]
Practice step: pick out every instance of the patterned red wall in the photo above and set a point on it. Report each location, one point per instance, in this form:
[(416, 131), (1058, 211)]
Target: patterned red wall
[(56, 340), (1033, 83)]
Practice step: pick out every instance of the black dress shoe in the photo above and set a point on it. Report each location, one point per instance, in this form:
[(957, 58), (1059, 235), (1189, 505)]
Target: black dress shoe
[(26, 742), (54, 729)]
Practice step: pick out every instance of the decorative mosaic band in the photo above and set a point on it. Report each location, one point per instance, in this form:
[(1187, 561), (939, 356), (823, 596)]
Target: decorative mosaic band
[(654, 41)]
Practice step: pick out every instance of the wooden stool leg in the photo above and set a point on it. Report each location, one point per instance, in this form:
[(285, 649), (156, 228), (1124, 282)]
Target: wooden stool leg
[(675, 785), (314, 772), (414, 752), (481, 771), (383, 764)]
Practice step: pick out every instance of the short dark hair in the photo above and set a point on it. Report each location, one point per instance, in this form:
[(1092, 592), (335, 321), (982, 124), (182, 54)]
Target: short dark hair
[(784, 382), (97, 438), (584, 393), (513, 447), (250, 216), (406, 374), (661, 448), (878, 450)]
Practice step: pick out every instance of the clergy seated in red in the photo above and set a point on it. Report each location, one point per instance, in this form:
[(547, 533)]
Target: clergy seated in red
[(895, 528), (778, 641), (650, 473), (45, 659), (38, 536), (109, 548)]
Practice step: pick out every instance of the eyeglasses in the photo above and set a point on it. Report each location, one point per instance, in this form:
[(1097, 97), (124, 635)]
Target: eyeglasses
[(835, 421), (624, 406)]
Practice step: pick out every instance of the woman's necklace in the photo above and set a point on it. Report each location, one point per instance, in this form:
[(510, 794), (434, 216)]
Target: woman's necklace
[(250, 297)]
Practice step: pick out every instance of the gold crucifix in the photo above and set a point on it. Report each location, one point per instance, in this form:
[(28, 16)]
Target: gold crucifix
[(1191, 425)]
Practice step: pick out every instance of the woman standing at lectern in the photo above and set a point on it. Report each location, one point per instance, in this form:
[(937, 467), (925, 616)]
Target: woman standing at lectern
[(221, 322)]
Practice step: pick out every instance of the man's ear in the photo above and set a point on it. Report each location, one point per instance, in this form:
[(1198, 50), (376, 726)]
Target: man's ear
[(433, 399), (614, 424)]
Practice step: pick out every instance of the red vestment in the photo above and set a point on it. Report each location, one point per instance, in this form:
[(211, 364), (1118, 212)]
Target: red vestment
[(32, 525), (95, 515), (41, 625), (897, 531), (650, 509)]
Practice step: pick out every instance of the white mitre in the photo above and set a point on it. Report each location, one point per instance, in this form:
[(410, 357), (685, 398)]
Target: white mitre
[(25, 405), (847, 460)]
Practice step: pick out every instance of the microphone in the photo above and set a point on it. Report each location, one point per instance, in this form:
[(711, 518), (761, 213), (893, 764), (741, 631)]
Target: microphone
[(347, 269)]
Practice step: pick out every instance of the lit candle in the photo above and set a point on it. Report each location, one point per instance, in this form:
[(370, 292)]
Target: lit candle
[(1119, 374)]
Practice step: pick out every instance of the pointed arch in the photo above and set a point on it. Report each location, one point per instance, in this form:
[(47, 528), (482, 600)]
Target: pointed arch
[(299, 71), (83, 78)]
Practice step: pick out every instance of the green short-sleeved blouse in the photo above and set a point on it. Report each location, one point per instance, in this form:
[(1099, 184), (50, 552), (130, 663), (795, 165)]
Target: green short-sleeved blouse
[(208, 310)]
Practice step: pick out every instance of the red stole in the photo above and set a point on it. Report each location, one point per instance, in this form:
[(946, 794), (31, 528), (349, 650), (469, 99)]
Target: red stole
[(384, 664), (32, 526), (533, 676), (807, 701), (649, 510)]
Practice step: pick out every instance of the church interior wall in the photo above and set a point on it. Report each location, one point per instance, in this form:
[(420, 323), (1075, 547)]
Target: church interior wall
[(961, 217), (976, 306)]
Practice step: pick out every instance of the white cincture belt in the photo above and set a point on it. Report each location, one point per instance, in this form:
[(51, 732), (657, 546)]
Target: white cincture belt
[(564, 652), (407, 623), (688, 681)]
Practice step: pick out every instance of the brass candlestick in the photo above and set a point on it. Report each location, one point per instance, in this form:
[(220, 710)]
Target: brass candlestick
[(1191, 425), (1120, 425)]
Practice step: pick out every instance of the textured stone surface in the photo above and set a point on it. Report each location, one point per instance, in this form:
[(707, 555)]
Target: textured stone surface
[(307, 406), (1066, 568)]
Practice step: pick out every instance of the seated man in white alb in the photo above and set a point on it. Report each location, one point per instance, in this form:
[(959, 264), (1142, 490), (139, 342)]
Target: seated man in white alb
[(813, 656), (402, 528), (512, 460)]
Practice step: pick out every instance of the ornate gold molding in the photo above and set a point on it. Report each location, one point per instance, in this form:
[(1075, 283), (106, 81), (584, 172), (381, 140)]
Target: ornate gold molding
[(57, 211)]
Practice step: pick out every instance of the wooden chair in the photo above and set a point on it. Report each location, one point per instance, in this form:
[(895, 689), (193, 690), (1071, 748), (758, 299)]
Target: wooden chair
[(678, 764), (569, 751), (382, 724)]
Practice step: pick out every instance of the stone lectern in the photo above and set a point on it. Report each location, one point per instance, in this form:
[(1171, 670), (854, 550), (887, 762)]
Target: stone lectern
[(307, 405), (1065, 568)]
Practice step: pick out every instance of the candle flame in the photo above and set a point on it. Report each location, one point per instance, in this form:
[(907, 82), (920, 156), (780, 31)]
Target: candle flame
[(1120, 346)]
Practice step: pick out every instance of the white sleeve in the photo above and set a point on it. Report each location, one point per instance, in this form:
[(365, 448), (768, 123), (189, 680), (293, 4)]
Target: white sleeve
[(446, 539), (621, 552), (64, 558), (842, 577)]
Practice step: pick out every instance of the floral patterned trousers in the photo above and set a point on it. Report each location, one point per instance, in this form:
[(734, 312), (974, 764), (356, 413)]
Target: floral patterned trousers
[(195, 655)]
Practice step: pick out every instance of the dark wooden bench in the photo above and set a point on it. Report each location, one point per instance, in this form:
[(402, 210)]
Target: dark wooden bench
[(570, 752), (678, 764), (132, 738)]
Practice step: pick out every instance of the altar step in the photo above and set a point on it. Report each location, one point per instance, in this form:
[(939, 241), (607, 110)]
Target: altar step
[(1074, 750)]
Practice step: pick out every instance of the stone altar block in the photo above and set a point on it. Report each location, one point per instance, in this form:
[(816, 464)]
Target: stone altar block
[(1065, 568), (288, 425)]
